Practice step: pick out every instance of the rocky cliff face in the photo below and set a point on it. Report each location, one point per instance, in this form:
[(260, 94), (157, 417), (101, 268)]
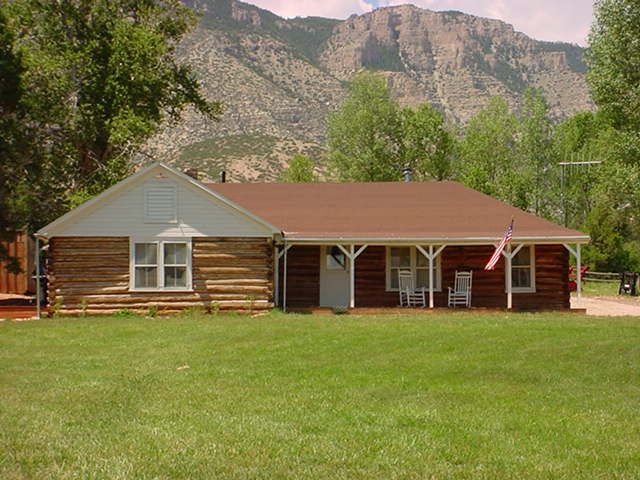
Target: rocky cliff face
[(279, 78)]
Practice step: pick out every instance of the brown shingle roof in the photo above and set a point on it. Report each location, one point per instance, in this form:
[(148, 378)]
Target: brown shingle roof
[(428, 210)]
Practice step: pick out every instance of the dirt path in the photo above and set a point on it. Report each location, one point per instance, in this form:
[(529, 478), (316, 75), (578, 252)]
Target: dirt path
[(606, 306)]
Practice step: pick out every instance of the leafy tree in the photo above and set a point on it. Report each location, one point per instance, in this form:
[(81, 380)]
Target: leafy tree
[(101, 77), (426, 145), (363, 133), (300, 170), (12, 162), (535, 153), (488, 155), (614, 62), (612, 222), (582, 137)]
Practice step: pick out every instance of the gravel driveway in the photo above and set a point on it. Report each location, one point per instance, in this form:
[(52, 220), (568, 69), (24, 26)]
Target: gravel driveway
[(608, 306)]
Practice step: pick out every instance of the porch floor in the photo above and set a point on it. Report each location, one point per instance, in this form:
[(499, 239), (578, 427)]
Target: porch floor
[(418, 310)]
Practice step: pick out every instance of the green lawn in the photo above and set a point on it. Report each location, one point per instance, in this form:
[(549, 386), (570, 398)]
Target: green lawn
[(599, 289), (495, 396)]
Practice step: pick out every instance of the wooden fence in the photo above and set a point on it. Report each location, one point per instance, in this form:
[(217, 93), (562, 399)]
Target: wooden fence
[(22, 283), (603, 277)]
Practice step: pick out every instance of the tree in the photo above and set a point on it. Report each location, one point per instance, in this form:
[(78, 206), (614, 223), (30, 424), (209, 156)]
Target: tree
[(363, 133), (12, 162), (488, 155), (101, 77), (426, 145), (300, 170), (613, 58), (537, 166), (612, 222), (582, 137), (614, 76)]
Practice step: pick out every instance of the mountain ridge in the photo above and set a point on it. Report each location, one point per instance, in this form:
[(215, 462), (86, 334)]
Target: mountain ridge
[(280, 78)]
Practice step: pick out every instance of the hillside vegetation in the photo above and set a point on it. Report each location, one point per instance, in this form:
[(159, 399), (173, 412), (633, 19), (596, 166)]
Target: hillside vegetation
[(282, 77)]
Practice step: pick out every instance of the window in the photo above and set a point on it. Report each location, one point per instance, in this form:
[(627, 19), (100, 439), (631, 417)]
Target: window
[(160, 203), (399, 259), (409, 258), (161, 265), (336, 259), (146, 265), (175, 265), (523, 270)]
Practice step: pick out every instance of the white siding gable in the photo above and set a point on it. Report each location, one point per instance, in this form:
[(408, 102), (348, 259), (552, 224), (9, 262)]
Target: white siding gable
[(162, 206)]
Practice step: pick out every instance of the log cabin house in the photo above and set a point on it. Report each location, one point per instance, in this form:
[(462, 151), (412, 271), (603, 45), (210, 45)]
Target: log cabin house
[(162, 239)]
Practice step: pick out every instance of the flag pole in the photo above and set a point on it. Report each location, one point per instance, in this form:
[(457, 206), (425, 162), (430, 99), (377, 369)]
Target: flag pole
[(508, 267)]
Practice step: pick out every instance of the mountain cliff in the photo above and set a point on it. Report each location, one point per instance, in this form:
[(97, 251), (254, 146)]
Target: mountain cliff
[(280, 78)]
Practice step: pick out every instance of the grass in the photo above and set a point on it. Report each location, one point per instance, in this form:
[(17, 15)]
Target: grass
[(599, 289), (509, 396)]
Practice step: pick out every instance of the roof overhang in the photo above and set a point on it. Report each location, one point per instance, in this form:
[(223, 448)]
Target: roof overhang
[(538, 240)]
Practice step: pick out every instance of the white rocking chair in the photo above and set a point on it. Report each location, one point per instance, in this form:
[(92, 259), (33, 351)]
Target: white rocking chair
[(460, 294), (409, 296)]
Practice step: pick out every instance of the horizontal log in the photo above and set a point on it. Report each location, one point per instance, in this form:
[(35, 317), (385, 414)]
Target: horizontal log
[(246, 289), (235, 269), (203, 257), (240, 281), (234, 240), (259, 303)]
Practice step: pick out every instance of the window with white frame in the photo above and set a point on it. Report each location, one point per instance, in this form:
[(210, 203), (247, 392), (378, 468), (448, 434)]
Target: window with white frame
[(146, 265), (523, 274), (409, 258), (161, 265)]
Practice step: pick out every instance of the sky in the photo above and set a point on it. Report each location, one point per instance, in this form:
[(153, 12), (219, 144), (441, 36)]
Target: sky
[(552, 20)]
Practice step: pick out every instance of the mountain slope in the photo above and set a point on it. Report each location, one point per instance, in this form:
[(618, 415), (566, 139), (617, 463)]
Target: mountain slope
[(280, 78)]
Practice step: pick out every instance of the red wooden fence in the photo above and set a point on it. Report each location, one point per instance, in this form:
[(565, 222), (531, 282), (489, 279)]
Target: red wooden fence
[(21, 283)]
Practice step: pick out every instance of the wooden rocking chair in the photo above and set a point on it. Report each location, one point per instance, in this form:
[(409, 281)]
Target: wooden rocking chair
[(409, 295), (460, 294)]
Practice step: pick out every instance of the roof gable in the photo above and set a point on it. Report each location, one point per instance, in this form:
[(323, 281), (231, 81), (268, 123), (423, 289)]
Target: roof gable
[(121, 210)]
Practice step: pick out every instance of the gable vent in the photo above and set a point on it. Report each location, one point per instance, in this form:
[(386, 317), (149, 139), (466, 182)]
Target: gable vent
[(160, 203)]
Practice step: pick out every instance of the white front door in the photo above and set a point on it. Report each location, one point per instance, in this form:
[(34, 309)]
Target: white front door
[(334, 277)]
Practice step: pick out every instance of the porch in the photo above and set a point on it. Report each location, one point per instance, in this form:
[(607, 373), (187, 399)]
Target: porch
[(315, 277)]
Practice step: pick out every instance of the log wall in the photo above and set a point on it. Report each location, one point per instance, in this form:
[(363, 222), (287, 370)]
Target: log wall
[(92, 274), (552, 270), (303, 276)]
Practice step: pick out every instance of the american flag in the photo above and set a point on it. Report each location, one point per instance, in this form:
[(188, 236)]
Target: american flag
[(508, 233)]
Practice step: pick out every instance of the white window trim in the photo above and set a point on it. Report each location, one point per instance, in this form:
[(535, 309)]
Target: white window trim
[(160, 255), (148, 219), (437, 273), (532, 267)]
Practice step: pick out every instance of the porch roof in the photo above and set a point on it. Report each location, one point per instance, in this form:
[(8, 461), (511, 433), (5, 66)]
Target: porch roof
[(393, 211)]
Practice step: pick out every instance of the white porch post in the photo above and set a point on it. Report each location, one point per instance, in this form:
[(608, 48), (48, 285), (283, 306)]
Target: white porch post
[(284, 279), (431, 256), (430, 276), (352, 277), (352, 255), (578, 272), (276, 276), (37, 260), (508, 255), (507, 258), (577, 254)]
